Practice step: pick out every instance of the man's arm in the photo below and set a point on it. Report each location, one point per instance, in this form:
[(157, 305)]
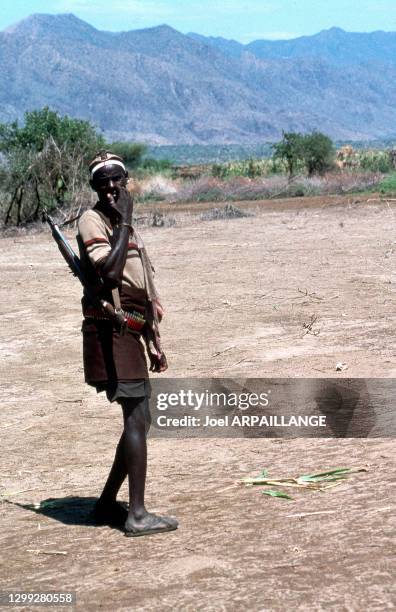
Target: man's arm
[(111, 268)]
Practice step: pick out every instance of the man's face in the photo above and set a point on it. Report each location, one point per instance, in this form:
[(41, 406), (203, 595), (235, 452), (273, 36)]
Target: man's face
[(107, 182)]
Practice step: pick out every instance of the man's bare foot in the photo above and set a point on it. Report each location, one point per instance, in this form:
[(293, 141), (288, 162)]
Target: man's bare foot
[(111, 513), (149, 524)]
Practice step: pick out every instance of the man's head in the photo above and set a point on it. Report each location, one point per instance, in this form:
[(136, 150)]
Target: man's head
[(107, 175)]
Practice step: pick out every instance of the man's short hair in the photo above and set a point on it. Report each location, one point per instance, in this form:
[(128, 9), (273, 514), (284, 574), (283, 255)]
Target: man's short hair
[(103, 159)]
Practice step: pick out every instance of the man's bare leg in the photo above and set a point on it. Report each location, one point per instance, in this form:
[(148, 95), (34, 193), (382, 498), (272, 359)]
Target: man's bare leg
[(107, 509), (135, 453), (139, 521), (117, 474), (132, 453)]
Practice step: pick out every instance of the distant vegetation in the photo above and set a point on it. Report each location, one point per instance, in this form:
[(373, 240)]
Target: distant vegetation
[(388, 184), (217, 154), (310, 154), (43, 165), (209, 154), (314, 151), (136, 158)]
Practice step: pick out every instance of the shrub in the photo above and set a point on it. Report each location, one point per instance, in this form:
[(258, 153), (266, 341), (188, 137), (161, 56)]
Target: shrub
[(42, 125), (153, 166), (317, 152), (376, 161), (44, 163), (289, 150), (388, 185), (131, 152), (218, 170)]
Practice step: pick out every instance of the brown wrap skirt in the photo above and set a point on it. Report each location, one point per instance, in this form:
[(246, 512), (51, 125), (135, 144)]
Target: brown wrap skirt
[(108, 356)]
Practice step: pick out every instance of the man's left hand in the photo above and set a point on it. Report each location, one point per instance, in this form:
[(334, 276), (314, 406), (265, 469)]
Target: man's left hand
[(158, 364)]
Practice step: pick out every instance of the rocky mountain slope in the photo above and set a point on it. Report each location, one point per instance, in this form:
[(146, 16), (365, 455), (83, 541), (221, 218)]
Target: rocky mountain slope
[(160, 86), (334, 46)]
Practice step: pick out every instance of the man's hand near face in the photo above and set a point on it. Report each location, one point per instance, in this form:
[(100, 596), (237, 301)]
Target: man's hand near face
[(123, 204)]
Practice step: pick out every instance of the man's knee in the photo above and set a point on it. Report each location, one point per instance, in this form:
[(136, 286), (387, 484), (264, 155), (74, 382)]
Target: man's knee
[(136, 414)]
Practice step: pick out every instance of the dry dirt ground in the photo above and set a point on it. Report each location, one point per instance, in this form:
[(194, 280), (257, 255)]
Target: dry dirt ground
[(238, 294)]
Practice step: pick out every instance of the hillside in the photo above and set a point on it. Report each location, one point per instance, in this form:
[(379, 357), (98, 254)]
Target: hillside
[(334, 46), (163, 87)]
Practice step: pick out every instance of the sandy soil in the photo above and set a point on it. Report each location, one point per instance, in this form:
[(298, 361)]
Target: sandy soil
[(238, 294)]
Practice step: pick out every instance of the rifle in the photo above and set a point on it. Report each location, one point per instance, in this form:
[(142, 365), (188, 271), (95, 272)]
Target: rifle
[(73, 261)]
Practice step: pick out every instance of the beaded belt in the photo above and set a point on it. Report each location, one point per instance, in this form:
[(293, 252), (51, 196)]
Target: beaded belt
[(134, 319)]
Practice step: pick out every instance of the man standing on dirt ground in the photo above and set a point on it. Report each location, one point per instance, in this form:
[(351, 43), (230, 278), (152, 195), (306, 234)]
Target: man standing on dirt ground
[(115, 261)]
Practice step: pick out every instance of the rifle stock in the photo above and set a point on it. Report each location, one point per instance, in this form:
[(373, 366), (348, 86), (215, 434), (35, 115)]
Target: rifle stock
[(74, 263)]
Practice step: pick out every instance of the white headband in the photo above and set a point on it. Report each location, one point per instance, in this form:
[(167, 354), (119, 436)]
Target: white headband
[(112, 162)]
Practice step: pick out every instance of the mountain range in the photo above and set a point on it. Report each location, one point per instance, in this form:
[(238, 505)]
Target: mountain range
[(160, 86)]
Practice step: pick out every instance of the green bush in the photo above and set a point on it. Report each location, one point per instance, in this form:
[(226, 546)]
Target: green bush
[(156, 165), (219, 170), (375, 161), (131, 152), (388, 185), (289, 150), (211, 195), (44, 163), (314, 151), (317, 153), (42, 125)]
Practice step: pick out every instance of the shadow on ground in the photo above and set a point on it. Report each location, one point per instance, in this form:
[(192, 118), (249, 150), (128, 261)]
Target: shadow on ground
[(71, 510)]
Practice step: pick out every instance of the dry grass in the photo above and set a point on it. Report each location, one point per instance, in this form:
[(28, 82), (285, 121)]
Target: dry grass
[(211, 189)]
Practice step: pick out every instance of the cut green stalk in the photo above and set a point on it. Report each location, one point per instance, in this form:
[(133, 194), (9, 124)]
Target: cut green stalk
[(274, 493), (318, 481)]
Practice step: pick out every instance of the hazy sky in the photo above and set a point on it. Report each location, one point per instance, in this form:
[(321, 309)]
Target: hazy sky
[(243, 20)]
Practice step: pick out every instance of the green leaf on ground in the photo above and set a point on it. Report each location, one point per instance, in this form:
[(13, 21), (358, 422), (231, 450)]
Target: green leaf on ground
[(274, 493), (330, 475), (318, 481), (51, 503)]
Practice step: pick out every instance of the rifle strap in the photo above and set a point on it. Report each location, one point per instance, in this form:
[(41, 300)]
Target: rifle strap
[(68, 221)]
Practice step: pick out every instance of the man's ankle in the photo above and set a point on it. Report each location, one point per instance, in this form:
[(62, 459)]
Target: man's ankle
[(138, 513)]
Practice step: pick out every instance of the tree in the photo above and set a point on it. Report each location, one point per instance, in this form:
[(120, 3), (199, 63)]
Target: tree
[(289, 150), (44, 162), (131, 152), (41, 125), (253, 169), (317, 152)]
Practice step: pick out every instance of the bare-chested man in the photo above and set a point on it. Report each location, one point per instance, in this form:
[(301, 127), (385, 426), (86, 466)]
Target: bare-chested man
[(115, 260)]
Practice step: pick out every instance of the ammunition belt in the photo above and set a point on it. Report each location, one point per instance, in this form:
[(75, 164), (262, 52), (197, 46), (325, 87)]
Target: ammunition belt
[(134, 319)]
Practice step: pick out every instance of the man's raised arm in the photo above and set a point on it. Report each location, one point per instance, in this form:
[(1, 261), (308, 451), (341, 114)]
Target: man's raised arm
[(111, 268)]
